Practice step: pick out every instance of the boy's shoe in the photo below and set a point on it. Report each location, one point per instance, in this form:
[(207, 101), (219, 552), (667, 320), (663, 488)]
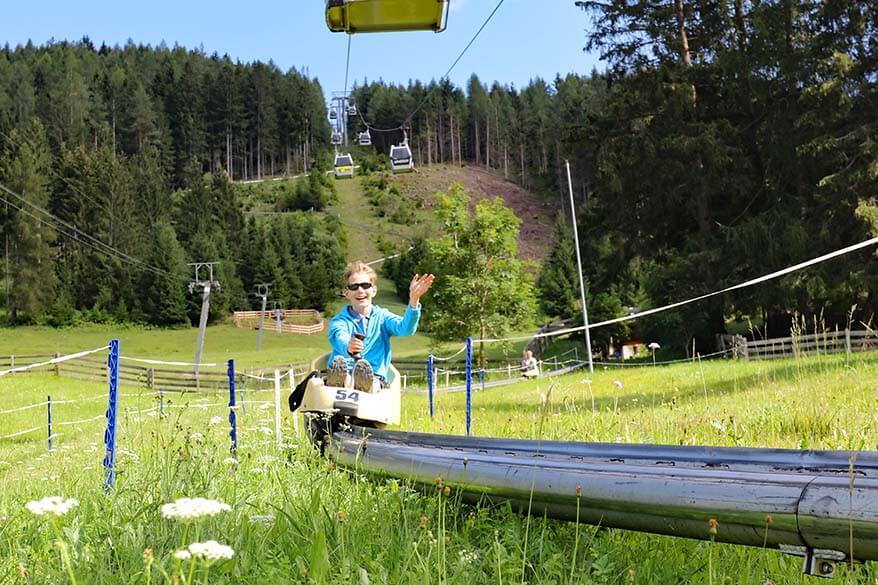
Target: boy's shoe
[(338, 371), (363, 376)]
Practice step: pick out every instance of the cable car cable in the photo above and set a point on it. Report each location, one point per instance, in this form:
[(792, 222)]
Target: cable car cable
[(427, 94), (77, 235)]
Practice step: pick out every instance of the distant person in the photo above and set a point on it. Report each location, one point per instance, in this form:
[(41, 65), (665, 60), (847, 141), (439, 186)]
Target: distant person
[(529, 366), (360, 334)]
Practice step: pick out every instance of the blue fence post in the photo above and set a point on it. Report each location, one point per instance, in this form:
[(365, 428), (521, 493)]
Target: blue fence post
[(430, 382), (469, 383), (233, 421), (110, 433), (161, 401), (49, 410)]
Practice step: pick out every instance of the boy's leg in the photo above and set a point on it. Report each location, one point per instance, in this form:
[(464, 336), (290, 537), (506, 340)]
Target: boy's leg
[(363, 376), (338, 371)]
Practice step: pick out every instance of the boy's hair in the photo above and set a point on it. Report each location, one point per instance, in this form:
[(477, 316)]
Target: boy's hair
[(360, 266)]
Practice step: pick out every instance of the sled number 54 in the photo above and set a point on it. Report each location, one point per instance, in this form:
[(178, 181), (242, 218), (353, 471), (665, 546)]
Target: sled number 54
[(347, 396)]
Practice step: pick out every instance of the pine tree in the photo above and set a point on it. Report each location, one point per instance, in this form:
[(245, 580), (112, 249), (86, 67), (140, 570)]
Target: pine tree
[(164, 297), (24, 166)]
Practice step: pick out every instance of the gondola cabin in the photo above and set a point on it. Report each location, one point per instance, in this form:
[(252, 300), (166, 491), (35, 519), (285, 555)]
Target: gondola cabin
[(364, 16), (365, 138), (351, 110), (336, 138), (401, 158), (333, 114), (343, 167)]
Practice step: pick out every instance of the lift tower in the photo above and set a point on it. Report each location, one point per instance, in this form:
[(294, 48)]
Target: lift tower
[(206, 286)]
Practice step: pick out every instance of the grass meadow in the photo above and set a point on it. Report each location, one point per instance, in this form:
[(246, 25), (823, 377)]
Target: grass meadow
[(297, 518)]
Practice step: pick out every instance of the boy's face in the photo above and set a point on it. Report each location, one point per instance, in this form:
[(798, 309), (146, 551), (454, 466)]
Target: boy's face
[(360, 298)]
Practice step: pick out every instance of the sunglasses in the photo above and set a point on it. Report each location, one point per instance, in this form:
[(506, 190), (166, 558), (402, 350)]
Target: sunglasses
[(362, 285)]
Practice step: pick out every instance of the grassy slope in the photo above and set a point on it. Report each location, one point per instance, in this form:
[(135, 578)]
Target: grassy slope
[(822, 403)]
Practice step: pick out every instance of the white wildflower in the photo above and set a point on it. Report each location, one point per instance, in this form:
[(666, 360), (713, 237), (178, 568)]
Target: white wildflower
[(196, 437), (216, 420), (189, 509), (211, 550), (265, 406), (468, 557), (265, 430), (617, 384), (257, 470), (51, 505), (182, 555), (230, 461), (718, 425)]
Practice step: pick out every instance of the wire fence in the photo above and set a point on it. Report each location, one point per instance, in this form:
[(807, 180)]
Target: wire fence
[(240, 387), (158, 374)]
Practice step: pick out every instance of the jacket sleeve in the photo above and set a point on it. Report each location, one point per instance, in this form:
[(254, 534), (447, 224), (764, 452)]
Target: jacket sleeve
[(405, 325), (339, 335)]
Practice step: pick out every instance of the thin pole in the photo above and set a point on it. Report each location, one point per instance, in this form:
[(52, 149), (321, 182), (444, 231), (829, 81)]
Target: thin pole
[(579, 269), (49, 411), (110, 434), (261, 322), (295, 414), (202, 326), (469, 383), (277, 421), (430, 382), (233, 421)]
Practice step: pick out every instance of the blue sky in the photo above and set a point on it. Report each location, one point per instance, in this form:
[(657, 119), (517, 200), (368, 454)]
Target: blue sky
[(525, 39)]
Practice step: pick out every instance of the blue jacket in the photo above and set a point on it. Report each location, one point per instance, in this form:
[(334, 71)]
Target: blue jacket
[(379, 327)]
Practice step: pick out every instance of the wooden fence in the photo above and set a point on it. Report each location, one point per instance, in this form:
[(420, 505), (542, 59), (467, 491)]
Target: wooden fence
[(293, 321), (154, 377), (846, 340)]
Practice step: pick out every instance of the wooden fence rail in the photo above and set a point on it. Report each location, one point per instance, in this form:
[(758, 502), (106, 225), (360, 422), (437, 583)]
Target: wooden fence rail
[(829, 342), (170, 379), (250, 319)]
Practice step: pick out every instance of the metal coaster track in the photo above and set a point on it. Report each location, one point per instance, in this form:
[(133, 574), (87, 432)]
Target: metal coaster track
[(821, 505)]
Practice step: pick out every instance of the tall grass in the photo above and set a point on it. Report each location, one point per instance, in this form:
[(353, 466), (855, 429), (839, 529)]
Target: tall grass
[(297, 518)]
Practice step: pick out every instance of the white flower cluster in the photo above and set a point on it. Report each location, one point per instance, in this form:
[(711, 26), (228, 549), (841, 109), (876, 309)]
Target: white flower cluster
[(51, 505), (468, 557), (216, 420), (189, 509), (209, 551)]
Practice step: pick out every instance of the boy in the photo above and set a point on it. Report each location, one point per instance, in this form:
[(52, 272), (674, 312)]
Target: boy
[(360, 334)]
